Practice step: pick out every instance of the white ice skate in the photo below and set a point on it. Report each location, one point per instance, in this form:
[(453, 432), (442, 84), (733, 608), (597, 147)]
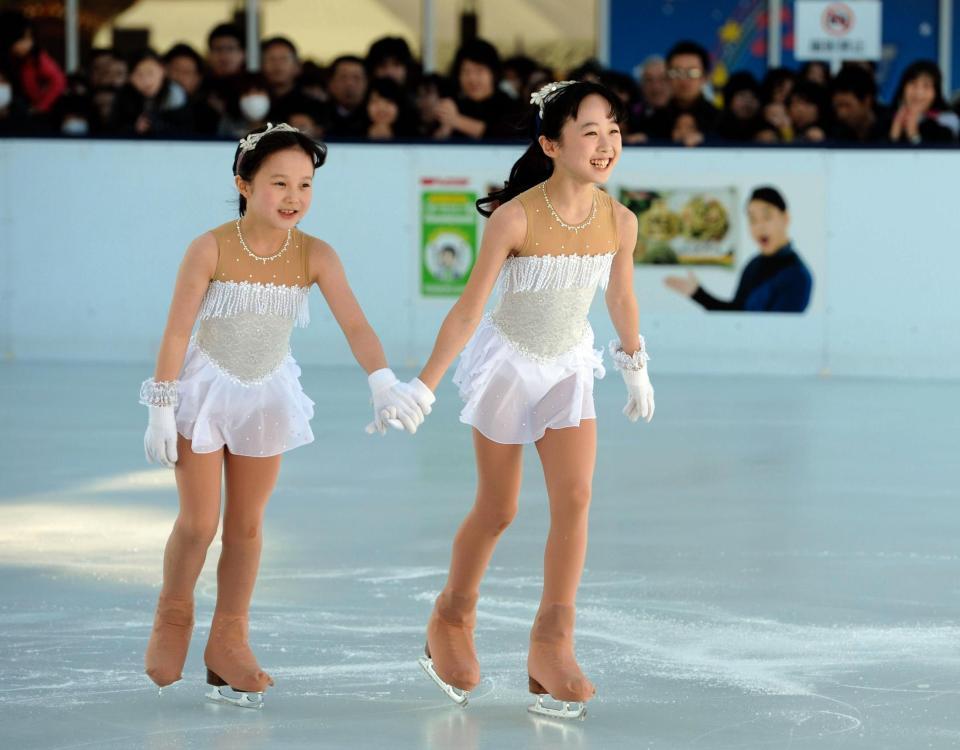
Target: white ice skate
[(563, 709), (221, 692), (457, 695)]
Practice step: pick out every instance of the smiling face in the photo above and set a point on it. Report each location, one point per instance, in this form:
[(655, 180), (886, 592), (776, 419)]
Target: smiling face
[(768, 226), (920, 93), (280, 192), (590, 145)]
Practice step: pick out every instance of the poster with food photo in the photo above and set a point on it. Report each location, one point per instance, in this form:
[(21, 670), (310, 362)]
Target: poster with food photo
[(684, 226)]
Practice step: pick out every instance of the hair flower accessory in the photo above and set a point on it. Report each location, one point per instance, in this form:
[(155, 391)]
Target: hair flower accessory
[(249, 143), (542, 96)]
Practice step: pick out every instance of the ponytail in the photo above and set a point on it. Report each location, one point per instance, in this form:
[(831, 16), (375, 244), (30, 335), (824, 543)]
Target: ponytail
[(531, 169)]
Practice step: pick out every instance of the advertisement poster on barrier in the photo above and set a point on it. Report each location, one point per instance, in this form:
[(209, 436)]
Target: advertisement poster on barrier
[(751, 245), (680, 226), (448, 246)]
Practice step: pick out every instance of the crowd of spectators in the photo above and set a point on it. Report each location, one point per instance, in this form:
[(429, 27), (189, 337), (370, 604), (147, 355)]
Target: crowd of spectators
[(386, 95)]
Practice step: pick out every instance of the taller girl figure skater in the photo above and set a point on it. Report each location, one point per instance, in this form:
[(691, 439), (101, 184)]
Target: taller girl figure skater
[(227, 401), (527, 373)]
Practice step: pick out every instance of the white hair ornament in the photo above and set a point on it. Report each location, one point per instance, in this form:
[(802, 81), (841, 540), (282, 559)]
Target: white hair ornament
[(543, 95)]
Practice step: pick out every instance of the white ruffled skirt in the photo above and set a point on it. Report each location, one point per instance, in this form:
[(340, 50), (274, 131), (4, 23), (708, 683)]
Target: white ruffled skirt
[(511, 398), (262, 419)]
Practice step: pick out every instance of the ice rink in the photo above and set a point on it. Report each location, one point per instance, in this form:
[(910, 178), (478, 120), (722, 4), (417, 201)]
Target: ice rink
[(773, 564)]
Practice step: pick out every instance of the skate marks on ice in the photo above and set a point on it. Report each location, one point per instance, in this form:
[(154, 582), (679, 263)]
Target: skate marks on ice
[(351, 636)]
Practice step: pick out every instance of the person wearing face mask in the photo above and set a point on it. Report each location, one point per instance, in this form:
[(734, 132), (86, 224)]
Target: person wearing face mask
[(150, 103), (776, 280), (185, 67), (251, 110), (922, 114), (74, 114)]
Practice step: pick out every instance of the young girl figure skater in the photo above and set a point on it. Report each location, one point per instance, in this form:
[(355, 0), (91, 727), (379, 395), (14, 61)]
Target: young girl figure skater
[(527, 373), (227, 401)]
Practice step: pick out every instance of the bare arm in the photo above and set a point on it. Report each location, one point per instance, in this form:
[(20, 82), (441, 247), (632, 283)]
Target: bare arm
[(197, 268), (504, 233), (620, 299), (327, 272)]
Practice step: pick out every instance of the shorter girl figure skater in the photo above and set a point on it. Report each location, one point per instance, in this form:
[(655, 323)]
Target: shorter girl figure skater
[(527, 374), (227, 401)]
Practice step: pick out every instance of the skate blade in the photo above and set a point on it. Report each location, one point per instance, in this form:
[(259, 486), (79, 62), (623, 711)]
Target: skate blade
[(567, 710), (236, 698), (457, 695)]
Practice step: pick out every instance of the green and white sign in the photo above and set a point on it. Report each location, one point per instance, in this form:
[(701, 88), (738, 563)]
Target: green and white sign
[(448, 241)]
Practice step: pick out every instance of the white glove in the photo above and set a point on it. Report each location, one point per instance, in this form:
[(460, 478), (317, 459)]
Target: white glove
[(393, 404), (422, 395), (160, 439), (639, 395)]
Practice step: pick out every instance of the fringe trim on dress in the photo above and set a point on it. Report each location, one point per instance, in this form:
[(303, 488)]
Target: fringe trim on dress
[(225, 299), (538, 273)]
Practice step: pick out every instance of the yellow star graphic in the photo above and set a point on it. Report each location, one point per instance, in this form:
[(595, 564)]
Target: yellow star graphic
[(730, 32)]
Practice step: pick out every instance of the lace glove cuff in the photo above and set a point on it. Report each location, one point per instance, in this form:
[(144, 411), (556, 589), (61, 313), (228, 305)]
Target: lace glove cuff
[(159, 393), (625, 362)]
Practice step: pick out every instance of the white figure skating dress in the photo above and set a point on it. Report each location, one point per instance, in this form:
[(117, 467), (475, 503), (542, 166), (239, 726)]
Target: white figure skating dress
[(530, 365), (240, 385)]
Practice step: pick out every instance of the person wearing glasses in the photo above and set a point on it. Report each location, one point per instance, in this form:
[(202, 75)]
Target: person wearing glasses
[(687, 67)]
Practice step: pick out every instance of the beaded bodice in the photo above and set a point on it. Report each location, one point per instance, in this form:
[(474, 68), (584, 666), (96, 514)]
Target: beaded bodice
[(250, 308), (544, 299)]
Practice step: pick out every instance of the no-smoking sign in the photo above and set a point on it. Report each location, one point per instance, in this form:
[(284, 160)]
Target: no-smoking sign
[(838, 19), (837, 31)]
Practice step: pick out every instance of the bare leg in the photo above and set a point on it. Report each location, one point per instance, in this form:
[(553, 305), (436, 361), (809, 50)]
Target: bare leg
[(250, 481), (568, 457), (198, 483), (450, 631)]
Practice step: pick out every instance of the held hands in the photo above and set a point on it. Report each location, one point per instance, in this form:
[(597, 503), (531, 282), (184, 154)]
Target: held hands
[(160, 439), (402, 406)]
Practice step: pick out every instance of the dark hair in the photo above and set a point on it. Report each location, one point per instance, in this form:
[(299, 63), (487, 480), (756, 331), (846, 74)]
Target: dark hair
[(388, 88), (249, 81), (768, 194), (687, 47), (146, 53), (228, 30), (444, 86), (804, 73), (281, 40), (913, 72), (332, 70), (740, 81), (856, 81), (184, 50), (96, 52), (477, 51), (247, 167), (522, 64), (13, 26), (619, 83), (389, 48), (588, 69), (535, 166), (774, 78), (815, 94)]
